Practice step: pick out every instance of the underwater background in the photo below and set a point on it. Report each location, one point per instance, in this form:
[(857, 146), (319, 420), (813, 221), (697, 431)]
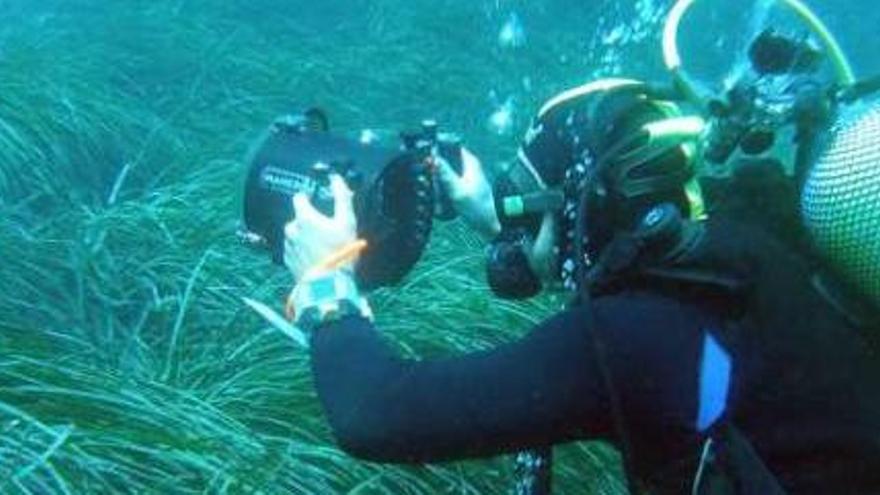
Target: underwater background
[(128, 362)]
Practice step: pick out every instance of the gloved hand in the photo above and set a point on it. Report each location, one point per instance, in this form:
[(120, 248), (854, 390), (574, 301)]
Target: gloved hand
[(471, 193), (312, 237)]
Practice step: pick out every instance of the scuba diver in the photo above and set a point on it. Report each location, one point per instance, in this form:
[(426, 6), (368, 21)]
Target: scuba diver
[(698, 346), (706, 338)]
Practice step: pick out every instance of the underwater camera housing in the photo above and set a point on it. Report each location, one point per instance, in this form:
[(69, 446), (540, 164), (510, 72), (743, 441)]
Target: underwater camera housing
[(395, 192)]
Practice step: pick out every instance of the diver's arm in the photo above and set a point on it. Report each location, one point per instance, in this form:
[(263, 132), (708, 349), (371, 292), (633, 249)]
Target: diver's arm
[(545, 388), (540, 390)]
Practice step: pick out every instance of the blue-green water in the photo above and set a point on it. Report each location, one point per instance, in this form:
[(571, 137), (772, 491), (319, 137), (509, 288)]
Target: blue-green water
[(128, 362)]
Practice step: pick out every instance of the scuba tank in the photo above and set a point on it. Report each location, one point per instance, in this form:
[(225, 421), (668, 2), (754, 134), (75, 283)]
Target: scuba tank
[(836, 134), (840, 199), (395, 194)]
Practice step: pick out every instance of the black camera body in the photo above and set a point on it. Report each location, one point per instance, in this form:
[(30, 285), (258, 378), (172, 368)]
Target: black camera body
[(395, 192)]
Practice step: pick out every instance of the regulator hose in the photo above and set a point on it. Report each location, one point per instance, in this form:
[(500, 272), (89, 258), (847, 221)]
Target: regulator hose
[(673, 61)]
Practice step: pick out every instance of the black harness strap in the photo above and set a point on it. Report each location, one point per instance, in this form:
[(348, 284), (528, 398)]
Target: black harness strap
[(729, 464)]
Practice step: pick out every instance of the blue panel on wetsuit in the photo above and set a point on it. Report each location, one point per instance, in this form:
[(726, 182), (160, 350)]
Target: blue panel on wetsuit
[(714, 383)]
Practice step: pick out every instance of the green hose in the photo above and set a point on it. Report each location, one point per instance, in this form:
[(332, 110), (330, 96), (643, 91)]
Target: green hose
[(672, 57), (845, 74)]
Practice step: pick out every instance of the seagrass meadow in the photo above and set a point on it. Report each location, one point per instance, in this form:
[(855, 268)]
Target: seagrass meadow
[(128, 362)]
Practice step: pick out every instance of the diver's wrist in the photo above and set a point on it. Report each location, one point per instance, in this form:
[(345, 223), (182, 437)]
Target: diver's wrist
[(322, 297)]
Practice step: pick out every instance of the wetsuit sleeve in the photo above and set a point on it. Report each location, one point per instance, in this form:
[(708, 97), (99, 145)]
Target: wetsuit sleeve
[(540, 390), (546, 388)]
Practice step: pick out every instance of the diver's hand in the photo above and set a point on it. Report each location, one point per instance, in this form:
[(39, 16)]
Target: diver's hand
[(470, 193), (312, 237)]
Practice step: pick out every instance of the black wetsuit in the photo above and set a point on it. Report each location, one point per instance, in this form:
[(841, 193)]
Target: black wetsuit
[(804, 397), (547, 388)]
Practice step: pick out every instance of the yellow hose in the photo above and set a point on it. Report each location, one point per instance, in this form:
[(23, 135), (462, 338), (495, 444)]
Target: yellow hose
[(845, 74), (672, 57)]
